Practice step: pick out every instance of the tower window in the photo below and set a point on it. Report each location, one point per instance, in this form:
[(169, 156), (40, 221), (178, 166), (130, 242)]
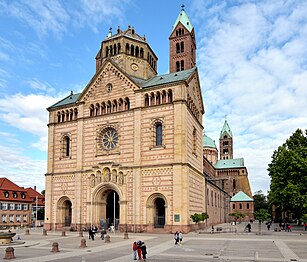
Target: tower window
[(67, 146), (182, 65), (159, 134), (177, 66), (247, 205), (194, 141), (177, 48), (181, 47)]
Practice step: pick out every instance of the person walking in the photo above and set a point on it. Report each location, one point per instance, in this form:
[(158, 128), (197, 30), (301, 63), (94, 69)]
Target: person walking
[(134, 249), (180, 238), (176, 237), (103, 232), (139, 249), (144, 250)]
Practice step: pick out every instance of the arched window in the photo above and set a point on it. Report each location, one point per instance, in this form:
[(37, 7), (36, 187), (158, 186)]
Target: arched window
[(92, 110), (177, 48), (240, 206), (233, 206), (234, 184), (182, 65), (97, 110), (111, 50), (146, 100), (76, 113), (108, 107), (137, 51), (67, 146), (170, 96), (152, 99), (163, 97), (114, 105), (107, 51), (127, 103), (59, 117), (114, 49), (71, 114), (127, 49), (178, 66), (247, 205), (118, 48), (194, 142), (158, 98), (181, 47), (103, 108), (132, 50), (142, 52), (120, 104), (159, 133)]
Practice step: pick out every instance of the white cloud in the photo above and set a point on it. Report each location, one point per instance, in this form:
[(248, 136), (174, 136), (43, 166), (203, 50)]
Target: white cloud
[(20, 169), (252, 61)]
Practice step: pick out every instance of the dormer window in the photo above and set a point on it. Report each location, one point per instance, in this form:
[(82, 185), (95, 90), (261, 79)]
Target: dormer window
[(14, 194), (6, 194), (23, 195)]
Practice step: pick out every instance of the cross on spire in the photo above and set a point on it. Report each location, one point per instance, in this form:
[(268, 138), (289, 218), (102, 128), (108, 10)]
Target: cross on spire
[(182, 7)]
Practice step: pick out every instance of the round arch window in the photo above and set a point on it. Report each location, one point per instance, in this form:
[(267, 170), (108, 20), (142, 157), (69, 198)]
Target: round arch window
[(109, 138)]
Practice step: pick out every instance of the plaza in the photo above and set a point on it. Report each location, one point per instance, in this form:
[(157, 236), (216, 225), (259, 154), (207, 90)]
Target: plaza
[(197, 246)]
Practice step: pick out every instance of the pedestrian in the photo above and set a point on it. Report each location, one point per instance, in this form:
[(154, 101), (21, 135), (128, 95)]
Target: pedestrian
[(90, 232), (134, 249), (176, 237), (305, 225), (268, 225), (144, 250), (180, 238), (139, 249), (103, 232), (248, 227), (212, 229), (289, 228)]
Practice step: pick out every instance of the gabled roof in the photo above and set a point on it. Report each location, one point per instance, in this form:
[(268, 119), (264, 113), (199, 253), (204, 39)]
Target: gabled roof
[(241, 197), (184, 20), (71, 99), (229, 163), (226, 129), (208, 142), (33, 194)]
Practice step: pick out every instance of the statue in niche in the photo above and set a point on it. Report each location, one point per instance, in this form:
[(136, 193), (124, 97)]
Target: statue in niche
[(120, 178), (92, 181), (107, 175)]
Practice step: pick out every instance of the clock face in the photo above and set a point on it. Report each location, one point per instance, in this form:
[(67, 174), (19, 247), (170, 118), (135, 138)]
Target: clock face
[(109, 138)]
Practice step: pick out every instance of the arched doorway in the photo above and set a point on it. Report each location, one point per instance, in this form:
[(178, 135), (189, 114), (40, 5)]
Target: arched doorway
[(159, 213), (112, 208), (67, 213)]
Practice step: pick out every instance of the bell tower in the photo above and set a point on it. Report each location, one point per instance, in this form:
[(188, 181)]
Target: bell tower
[(226, 142), (182, 44)]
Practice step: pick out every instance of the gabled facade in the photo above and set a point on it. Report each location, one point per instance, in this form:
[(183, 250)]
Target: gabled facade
[(242, 203), (130, 142)]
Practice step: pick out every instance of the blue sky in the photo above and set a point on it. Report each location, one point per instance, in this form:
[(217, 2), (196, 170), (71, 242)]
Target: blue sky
[(251, 56)]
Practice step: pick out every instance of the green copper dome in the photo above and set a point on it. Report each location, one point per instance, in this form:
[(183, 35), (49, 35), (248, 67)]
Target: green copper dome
[(208, 142)]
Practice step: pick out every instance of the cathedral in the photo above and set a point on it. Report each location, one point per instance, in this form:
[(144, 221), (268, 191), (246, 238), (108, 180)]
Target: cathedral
[(129, 150)]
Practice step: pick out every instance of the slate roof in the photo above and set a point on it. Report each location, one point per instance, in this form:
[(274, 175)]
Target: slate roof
[(154, 81), (71, 99), (241, 197), (229, 163)]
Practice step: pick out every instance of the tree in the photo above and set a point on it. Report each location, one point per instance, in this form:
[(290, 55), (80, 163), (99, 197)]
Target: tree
[(199, 217), (261, 215), (237, 215), (288, 172), (43, 192), (260, 201)]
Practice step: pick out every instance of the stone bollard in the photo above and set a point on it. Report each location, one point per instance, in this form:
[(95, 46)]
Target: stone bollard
[(107, 239), (126, 235), (80, 234), (83, 243), (55, 247), (44, 232), (63, 233), (9, 253), (27, 232)]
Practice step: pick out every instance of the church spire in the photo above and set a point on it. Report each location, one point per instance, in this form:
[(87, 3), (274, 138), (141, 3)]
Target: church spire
[(226, 142), (182, 44)]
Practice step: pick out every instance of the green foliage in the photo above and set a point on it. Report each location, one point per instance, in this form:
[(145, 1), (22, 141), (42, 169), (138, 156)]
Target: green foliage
[(43, 192), (262, 215), (304, 218), (260, 201), (236, 215), (288, 172), (199, 217)]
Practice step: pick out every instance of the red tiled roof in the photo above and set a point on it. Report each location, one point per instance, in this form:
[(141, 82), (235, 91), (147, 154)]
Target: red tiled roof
[(10, 188), (33, 194)]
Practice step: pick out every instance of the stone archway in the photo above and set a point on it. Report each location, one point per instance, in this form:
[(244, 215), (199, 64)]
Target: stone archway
[(106, 206), (156, 211), (65, 212)]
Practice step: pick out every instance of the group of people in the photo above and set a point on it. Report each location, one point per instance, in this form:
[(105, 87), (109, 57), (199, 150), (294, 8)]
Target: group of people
[(178, 238), (139, 250)]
